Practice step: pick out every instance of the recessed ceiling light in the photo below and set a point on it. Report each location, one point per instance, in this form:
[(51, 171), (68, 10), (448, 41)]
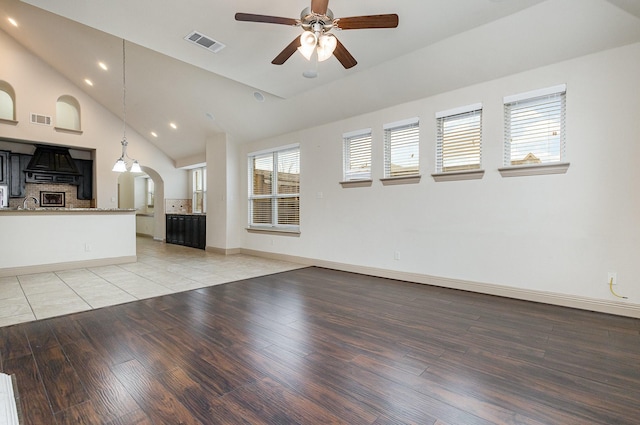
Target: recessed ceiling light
[(259, 96), (103, 65), (173, 125), (154, 134), (88, 81)]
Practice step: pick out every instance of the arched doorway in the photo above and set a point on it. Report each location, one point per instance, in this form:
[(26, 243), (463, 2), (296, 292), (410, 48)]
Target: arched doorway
[(145, 193)]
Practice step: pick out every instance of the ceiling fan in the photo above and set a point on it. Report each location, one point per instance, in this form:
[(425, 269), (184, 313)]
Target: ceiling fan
[(317, 21)]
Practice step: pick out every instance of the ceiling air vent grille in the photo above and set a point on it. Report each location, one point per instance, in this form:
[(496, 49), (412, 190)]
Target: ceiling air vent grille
[(40, 119), (204, 41)]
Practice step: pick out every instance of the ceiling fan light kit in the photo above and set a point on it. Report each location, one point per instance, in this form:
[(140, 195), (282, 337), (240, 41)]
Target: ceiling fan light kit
[(317, 21)]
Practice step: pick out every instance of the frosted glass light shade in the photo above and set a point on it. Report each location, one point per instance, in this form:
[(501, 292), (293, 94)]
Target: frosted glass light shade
[(135, 167), (326, 45), (119, 166), (308, 43)]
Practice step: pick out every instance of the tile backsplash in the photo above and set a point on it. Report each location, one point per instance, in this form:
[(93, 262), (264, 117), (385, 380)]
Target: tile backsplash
[(177, 206), (34, 189)]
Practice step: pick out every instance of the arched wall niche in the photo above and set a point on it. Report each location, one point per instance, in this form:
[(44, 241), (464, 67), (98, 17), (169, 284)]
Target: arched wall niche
[(68, 115), (7, 101)]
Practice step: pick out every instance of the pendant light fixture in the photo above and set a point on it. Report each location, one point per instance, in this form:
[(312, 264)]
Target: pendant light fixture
[(316, 40), (121, 164)]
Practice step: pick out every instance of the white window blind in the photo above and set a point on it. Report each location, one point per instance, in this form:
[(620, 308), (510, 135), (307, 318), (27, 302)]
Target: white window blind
[(459, 138), (535, 129), (274, 197), (357, 155), (401, 148)]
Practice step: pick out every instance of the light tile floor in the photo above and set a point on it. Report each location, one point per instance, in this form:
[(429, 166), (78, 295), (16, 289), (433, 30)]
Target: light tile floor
[(161, 269)]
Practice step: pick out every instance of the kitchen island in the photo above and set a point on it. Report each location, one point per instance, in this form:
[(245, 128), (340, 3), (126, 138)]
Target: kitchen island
[(39, 240)]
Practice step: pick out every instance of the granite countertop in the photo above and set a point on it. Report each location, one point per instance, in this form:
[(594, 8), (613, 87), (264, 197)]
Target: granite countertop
[(64, 210)]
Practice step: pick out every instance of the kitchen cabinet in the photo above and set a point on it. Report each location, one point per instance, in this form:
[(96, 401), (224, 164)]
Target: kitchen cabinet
[(17, 164), (4, 167), (187, 230), (85, 182)]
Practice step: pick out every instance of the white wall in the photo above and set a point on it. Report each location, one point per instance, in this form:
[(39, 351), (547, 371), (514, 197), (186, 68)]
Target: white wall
[(38, 86), (552, 233), (222, 200)]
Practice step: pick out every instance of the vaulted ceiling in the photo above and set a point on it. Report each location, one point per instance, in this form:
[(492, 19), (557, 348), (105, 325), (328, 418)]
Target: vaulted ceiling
[(439, 45)]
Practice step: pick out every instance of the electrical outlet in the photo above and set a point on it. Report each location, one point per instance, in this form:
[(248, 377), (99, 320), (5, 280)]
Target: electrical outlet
[(612, 276), (396, 255), (87, 247)]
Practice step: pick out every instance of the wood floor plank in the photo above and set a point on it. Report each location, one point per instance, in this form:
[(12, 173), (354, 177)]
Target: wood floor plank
[(36, 409), (13, 343), (315, 346), (135, 418), (290, 369), (63, 386), (80, 414), (159, 403), (107, 394), (275, 403)]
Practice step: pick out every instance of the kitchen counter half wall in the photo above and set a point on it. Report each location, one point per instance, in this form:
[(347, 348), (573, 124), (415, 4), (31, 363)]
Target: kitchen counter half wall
[(47, 239)]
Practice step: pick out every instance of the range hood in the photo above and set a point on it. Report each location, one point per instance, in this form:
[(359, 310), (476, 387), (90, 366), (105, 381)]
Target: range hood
[(52, 164)]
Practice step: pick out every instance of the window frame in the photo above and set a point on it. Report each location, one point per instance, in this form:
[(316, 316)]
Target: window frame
[(349, 175), (465, 171), (543, 167), (389, 129), (274, 226), (197, 190)]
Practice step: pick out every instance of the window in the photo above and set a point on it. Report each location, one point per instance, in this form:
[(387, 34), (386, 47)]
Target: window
[(150, 190), (357, 155), (459, 136), (535, 127), (199, 190), (401, 148), (274, 197)]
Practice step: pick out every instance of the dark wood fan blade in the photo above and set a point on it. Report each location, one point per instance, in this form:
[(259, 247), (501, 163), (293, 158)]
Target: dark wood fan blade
[(287, 52), (250, 17), (342, 54), (371, 21), (319, 6)]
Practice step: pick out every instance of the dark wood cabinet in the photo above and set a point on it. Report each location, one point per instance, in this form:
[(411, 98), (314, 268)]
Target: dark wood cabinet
[(18, 163), (85, 182), (187, 230), (4, 167)]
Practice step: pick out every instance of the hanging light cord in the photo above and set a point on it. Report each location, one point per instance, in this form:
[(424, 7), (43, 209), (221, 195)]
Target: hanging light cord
[(124, 95), (612, 291)]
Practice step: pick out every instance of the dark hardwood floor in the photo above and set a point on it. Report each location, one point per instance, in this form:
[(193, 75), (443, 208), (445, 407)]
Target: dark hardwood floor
[(317, 346)]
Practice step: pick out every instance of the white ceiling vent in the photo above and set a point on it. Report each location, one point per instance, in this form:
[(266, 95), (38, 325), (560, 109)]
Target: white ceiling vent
[(40, 119), (204, 41)]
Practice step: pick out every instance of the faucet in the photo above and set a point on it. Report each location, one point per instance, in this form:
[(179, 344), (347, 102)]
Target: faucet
[(24, 203)]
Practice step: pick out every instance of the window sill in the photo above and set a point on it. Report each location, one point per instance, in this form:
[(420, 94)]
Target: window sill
[(458, 175), (6, 121), (356, 183), (273, 231), (534, 170), (389, 181), (67, 130)]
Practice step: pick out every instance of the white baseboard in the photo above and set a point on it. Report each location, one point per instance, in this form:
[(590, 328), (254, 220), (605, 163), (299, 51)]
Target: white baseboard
[(223, 251), (56, 267), (603, 306)]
